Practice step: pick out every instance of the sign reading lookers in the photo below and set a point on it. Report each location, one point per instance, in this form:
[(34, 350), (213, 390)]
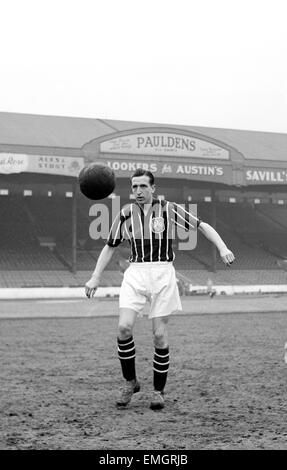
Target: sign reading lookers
[(163, 143), (216, 173), (55, 165)]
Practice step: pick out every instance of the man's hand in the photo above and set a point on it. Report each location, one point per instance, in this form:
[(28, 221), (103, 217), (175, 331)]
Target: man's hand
[(91, 286), (227, 256)]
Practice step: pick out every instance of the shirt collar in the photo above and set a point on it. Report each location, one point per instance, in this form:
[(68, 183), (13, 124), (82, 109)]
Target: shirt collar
[(153, 202)]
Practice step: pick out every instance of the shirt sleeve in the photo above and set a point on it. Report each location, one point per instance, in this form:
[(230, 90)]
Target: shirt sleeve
[(182, 218), (116, 235)]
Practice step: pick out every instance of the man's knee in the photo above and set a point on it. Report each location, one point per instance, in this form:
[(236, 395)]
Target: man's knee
[(160, 338), (125, 330), (126, 323)]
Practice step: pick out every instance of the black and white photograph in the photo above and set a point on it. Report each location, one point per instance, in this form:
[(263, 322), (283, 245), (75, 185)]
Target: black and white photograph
[(143, 229)]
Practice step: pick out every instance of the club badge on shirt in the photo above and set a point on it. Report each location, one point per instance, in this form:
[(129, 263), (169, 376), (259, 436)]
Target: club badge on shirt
[(157, 224)]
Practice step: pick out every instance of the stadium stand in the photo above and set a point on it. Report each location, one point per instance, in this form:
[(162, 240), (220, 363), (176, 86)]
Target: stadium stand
[(36, 245), (41, 157), (20, 248), (246, 233)]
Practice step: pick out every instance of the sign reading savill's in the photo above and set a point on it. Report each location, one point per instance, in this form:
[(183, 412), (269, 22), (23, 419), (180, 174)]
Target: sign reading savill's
[(266, 176), (164, 143)]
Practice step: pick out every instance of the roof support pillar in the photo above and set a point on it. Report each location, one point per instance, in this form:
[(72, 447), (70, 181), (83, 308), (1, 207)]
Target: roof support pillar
[(74, 230), (213, 218)]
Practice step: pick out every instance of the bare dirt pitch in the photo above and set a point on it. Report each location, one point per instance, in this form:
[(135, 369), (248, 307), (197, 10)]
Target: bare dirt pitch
[(226, 387)]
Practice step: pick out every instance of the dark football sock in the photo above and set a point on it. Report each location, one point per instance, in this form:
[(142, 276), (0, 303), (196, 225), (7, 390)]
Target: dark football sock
[(127, 353), (160, 368)]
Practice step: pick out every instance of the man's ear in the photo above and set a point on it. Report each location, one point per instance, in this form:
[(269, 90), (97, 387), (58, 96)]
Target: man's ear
[(153, 188)]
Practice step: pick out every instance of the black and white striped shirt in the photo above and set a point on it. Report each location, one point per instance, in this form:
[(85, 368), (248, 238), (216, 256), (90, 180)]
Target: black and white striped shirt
[(150, 234)]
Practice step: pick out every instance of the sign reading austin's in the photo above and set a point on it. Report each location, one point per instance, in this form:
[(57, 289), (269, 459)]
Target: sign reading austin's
[(164, 143)]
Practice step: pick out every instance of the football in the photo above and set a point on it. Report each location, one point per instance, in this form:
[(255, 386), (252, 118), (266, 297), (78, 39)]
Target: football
[(97, 181)]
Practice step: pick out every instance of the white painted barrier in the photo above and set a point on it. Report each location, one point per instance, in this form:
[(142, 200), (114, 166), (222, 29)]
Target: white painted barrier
[(79, 292), (54, 292), (242, 289)]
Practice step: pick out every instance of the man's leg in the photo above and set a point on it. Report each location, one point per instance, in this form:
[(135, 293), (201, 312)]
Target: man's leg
[(126, 353), (160, 361)]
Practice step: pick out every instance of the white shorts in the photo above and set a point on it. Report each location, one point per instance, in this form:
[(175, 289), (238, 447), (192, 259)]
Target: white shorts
[(155, 282)]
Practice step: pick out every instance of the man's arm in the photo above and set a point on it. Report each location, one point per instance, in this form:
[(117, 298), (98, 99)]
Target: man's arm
[(103, 260), (211, 234)]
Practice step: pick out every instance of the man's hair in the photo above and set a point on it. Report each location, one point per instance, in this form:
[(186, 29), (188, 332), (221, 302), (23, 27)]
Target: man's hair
[(142, 172)]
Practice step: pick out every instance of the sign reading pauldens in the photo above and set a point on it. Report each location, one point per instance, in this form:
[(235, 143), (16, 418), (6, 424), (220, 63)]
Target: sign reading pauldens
[(164, 143)]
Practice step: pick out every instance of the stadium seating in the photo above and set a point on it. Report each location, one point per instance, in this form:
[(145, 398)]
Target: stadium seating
[(237, 277), (276, 214), (245, 232), (36, 244), (61, 278), (20, 248)]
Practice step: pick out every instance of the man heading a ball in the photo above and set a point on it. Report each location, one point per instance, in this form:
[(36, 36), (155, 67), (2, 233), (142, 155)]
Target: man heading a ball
[(147, 224)]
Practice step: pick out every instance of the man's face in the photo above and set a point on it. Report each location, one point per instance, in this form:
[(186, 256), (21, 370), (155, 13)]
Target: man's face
[(142, 189)]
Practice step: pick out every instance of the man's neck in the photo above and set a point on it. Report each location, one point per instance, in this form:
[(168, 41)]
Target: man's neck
[(146, 206)]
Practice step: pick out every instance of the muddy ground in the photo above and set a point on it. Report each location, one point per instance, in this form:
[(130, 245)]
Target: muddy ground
[(226, 387)]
